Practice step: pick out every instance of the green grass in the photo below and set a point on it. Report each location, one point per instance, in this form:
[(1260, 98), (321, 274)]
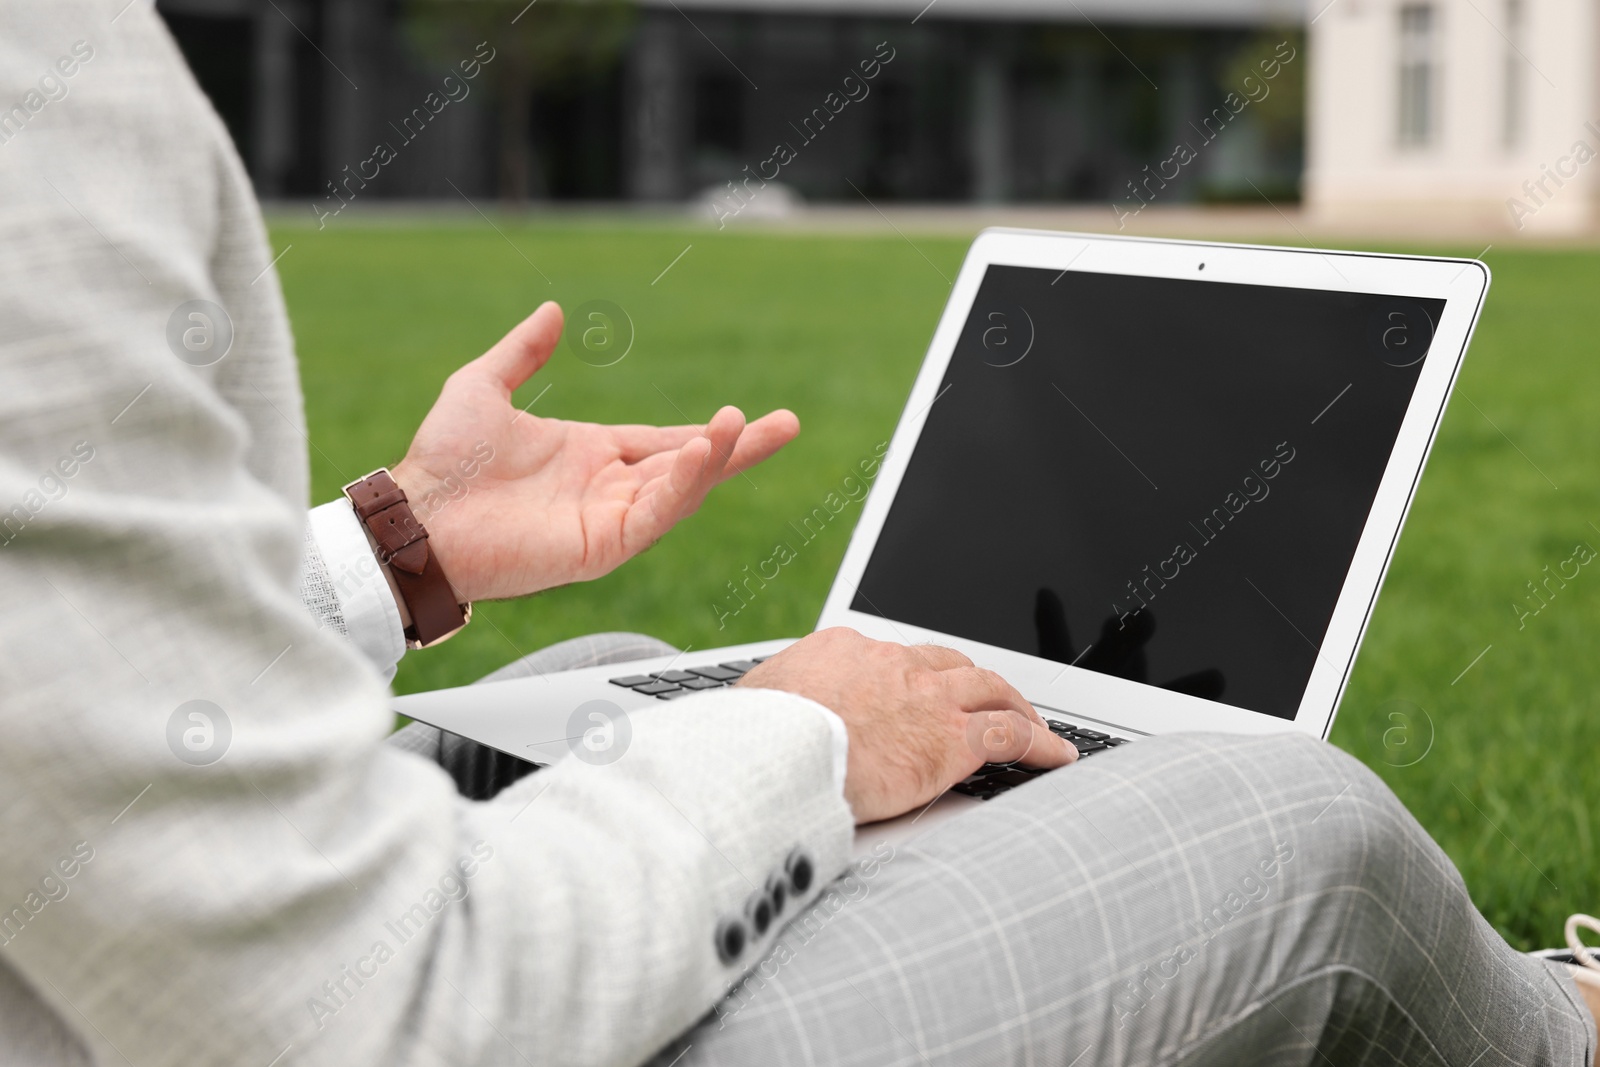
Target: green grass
[(835, 327)]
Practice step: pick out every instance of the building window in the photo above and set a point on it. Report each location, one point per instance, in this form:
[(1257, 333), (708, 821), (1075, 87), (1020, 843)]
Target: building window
[(719, 113), (1418, 74), (1514, 71)]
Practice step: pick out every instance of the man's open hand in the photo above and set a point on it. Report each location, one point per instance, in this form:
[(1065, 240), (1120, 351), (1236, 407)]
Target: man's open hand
[(920, 718), (559, 501)]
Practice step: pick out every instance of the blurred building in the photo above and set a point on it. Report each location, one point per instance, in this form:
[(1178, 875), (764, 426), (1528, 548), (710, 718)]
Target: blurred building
[(982, 100), (1474, 111)]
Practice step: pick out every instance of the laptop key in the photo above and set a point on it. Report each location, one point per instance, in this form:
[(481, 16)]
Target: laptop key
[(979, 788), (741, 665), (992, 779), (675, 694), (655, 689), (1093, 735), (720, 674), (1011, 776), (674, 676), (633, 681), (702, 683)]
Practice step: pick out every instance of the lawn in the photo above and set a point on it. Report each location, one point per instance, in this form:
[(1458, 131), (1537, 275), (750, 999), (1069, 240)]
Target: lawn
[(1489, 757)]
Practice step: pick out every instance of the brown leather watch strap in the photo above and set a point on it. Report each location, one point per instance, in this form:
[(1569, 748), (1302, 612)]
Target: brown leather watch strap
[(402, 546)]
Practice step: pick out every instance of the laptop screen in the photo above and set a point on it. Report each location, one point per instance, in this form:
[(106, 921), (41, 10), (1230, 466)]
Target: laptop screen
[(1163, 480)]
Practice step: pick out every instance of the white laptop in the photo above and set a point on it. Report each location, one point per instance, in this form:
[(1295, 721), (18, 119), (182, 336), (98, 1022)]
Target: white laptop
[(1154, 484)]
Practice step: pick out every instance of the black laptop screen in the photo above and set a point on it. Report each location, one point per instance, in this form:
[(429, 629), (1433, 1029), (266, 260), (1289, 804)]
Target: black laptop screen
[(1156, 479)]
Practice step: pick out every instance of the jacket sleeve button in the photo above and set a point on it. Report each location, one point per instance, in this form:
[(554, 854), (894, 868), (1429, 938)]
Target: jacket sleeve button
[(730, 940), (759, 911), (778, 893), (798, 867)]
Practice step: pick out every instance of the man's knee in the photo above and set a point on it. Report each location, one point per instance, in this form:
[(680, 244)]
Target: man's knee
[(1347, 819), (1299, 761), (1325, 800), (1333, 768)]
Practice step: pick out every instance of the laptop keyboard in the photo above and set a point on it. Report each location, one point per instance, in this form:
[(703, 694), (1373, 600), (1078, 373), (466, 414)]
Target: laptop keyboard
[(987, 781), (670, 685), (992, 779)]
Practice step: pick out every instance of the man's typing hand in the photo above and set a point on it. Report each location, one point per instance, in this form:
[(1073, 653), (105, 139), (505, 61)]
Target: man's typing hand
[(514, 503), (920, 718)]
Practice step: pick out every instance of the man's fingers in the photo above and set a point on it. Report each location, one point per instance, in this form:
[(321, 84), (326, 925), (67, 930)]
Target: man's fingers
[(641, 444), (1045, 749), (638, 443), (517, 355), (652, 468), (655, 511), (696, 469), (761, 439), (977, 689), (724, 431), (984, 694), (1008, 736), (977, 686)]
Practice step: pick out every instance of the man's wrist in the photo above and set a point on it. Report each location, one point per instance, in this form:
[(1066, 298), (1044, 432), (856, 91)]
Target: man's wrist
[(422, 492), (423, 590)]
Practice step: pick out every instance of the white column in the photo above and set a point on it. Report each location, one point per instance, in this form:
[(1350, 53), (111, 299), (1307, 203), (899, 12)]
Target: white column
[(990, 135), (274, 92), (348, 96), (655, 101)]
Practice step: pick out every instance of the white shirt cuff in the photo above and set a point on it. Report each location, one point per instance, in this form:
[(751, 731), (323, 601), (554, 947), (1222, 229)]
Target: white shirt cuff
[(370, 613), (841, 746)]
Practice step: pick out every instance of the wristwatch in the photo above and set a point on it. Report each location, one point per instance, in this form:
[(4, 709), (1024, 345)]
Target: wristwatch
[(402, 546)]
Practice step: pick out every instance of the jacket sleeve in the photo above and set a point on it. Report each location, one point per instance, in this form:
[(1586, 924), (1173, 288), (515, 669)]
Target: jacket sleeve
[(211, 858)]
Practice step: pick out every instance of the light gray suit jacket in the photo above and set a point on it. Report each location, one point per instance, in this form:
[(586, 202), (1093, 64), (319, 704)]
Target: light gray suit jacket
[(314, 894)]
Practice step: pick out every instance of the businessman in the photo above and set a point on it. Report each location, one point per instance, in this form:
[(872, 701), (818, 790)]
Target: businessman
[(213, 854)]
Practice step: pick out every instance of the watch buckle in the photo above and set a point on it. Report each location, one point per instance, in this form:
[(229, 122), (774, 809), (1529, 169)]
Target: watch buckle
[(466, 617)]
